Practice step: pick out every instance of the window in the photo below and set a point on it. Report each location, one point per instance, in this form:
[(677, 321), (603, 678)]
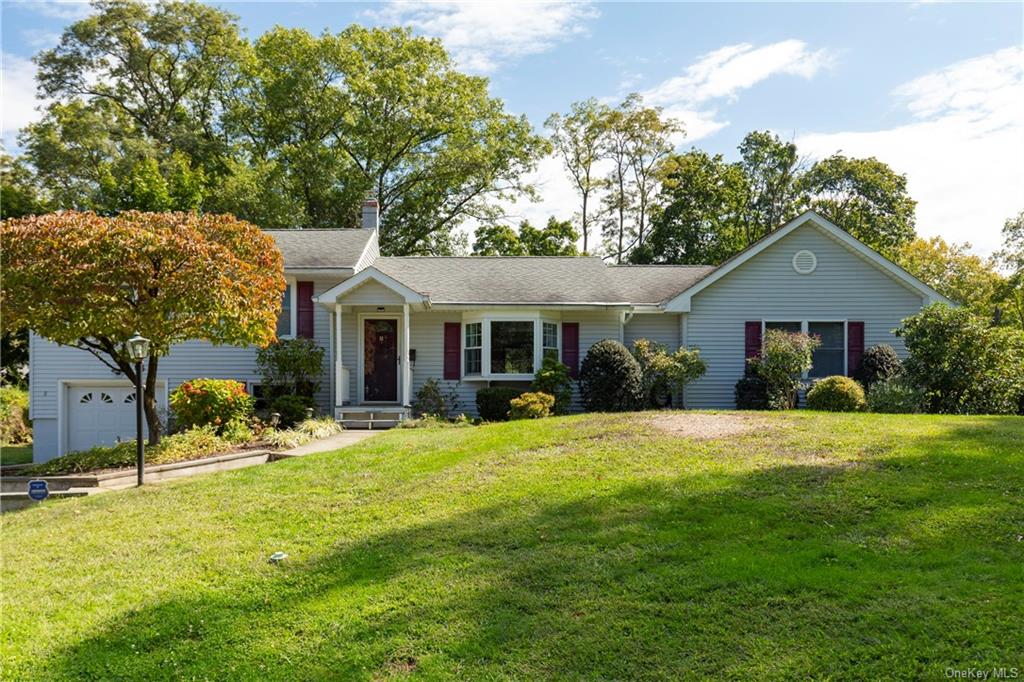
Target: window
[(474, 347), (790, 327), (285, 321), (511, 347), (550, 340), (829, 357)]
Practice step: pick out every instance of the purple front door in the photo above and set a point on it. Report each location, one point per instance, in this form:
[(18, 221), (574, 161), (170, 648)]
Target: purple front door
[(380, 360)]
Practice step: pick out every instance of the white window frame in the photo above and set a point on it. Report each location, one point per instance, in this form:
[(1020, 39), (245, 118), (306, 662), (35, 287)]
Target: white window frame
[(465, 347), (485, 350), (293, 321), (804, 325)]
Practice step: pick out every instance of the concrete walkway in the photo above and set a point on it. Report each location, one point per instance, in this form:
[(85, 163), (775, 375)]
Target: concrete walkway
[(335, 442)]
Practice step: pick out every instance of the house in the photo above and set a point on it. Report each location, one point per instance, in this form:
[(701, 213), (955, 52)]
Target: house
[(389, 324)]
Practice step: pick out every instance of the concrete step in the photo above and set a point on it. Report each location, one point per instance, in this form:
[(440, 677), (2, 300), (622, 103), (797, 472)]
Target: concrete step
[(369, 417)]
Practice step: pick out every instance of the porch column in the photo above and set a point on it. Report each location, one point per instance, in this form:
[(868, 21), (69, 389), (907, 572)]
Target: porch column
[(406, 365), (339, 396)]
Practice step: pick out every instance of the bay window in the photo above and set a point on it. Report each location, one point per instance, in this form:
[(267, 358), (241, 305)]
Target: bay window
[(829, 358), (506, 346)]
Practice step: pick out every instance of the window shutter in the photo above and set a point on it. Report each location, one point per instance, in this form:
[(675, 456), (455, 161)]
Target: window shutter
[(854, 346), (571, 347), (452, 350), (751, 342), (304, 310)]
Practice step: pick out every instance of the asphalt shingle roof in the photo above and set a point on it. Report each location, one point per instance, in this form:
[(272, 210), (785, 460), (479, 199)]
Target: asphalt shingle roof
[(339, 248), (550, 280)]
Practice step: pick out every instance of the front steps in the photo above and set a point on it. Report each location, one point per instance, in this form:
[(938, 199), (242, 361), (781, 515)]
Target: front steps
[(371, 416)]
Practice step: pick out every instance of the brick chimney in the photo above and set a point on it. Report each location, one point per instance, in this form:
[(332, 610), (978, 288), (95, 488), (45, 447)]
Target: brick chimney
[(371, 215)]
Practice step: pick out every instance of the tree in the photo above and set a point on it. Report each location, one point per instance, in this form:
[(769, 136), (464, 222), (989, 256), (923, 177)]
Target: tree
[(19, 194), (1011, 258), (92, 282), (381, 112), (557, 238), (650, 140), (772, 169), (619, 201), (864, 197), (700, 218), (578, 138), (953, 271)]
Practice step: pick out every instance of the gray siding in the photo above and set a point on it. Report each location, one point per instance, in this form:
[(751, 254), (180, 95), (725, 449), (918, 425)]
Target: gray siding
[(844, 286), (372, 293), (660, 327)]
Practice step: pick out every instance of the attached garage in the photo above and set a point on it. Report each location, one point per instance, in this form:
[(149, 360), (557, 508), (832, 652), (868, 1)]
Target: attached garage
[(100, 413)]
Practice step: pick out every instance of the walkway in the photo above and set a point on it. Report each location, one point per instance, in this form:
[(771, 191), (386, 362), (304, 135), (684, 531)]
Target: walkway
[(335, 442)]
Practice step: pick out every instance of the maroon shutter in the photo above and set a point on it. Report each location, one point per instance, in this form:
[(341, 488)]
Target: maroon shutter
[(452, 350), (751, 341), (854, 346), (571, 347), (304, 310)]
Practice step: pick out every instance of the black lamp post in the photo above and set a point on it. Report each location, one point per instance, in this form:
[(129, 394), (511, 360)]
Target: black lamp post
[(138, 350)]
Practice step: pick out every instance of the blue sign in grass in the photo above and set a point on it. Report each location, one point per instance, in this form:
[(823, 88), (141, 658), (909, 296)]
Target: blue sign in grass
[(38, 490)]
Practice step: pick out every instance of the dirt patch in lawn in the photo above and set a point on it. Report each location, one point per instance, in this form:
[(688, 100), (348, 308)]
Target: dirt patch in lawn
[(701, 426)]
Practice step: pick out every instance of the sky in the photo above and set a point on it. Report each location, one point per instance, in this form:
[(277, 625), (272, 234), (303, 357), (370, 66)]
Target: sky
[(934, 89)]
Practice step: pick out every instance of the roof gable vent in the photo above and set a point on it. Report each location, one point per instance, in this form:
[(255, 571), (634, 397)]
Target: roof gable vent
[(805, 262)]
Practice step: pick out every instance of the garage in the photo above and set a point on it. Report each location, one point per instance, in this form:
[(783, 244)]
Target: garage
[(101, 414)]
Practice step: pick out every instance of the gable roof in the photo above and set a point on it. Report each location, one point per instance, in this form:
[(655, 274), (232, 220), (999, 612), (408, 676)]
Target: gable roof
[(321, 249), (654, 284), (681, 302)]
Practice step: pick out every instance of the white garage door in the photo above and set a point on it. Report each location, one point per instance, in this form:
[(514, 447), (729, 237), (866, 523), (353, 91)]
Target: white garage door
[(100, 415)]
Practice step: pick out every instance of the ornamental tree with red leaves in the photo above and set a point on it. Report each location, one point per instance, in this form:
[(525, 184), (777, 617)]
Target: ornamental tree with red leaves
[(92, 282)]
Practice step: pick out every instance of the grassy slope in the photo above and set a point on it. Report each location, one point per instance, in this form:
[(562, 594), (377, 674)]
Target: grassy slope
[(15, 454), (860, 545)]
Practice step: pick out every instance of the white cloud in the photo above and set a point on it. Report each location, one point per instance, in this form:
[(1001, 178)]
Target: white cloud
[(18, 93), (964, 152), (39, 38), (482, 35), (70, 10)]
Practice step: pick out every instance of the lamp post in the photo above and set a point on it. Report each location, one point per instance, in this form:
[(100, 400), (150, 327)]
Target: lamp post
[(138, 350)]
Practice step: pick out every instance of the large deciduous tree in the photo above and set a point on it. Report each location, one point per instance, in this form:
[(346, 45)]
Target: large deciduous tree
[(771, 167), (1011, 259), (91, 282), (955, 272), (557, 238)]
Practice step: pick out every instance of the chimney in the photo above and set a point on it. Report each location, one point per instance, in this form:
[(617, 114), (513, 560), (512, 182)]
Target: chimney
[(371, 216)]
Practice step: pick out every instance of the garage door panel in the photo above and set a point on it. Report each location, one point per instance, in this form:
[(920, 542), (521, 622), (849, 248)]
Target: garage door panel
[(100, 415)]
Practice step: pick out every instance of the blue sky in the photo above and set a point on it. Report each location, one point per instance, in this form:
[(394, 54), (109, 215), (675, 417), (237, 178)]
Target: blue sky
[(934, 89)]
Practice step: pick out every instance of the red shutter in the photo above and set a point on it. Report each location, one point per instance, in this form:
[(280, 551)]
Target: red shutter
[(304, 310), (571, 347), (452, 350), (751, 341), (854, 346)]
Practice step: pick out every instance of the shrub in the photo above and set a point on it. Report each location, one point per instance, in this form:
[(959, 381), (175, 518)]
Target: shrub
[(195, 443), (836, 394), (292, 408), (15, 427), (290, 367), (610, 378), (431, 400), (896, 396), (214, 402), (664, 374), (237, 432), (784, 358), (963, 365), (429, 420), (751, 393), (534, 405), (553, 379), (878, 364), (493, 402), (304, 432)]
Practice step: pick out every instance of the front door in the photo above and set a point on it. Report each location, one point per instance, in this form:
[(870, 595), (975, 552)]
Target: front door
[(380, 360)]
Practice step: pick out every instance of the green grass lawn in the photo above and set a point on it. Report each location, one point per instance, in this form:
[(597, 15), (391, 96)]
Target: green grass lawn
[(817, 546), (15, 454)]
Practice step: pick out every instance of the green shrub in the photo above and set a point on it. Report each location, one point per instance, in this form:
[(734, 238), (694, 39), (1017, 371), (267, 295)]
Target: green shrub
[(610, 378), (237, 431), (432, 400), (751, 393), (292, 408), (553, 379), (433, 421), (304, 432), (896, 396), (878, 364), (963, 365), (534, 405), (210, 401), (194, 443), (784, 357), (493, 402), (290, 367), (664, 374), (836, 394), (15, 427)]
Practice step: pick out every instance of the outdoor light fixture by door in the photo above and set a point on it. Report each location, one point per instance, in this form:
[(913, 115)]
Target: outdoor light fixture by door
[(138, 350)]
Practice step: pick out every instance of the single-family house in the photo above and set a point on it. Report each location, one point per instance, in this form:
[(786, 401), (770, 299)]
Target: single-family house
[(388, 324)]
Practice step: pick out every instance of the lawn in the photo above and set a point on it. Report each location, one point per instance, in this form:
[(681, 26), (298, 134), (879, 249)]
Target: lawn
[(15, 454), (813, 545)]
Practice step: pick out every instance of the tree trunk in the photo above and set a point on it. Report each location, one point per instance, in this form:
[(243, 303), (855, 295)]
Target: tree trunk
[(585, 222), (149, 402)]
